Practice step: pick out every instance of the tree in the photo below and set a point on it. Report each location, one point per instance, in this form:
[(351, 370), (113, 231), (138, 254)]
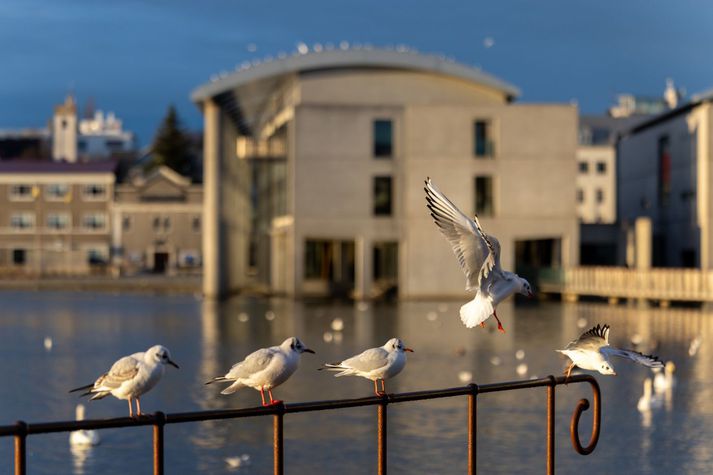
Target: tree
[(172, 145)]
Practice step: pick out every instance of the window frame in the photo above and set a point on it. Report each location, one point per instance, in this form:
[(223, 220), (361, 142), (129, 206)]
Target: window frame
[(58, 213), (374, 139), (91, 197), (23, 229), (94, 229), (50, 197), (376, 211), (490, 148), (12, 196), (493, 192)]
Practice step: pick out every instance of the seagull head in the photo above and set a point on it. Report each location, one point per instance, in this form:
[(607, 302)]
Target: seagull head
[(294, 344), (395, 344), (525, 288), (160, 354)]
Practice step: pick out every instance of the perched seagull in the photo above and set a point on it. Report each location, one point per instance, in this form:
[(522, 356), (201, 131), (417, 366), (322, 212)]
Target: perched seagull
[(592, 351), (130, 377), (375, 364), (479, 257), (264, 369)]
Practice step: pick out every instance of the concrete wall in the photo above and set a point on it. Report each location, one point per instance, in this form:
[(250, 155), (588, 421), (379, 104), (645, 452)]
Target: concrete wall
[(590, 211)]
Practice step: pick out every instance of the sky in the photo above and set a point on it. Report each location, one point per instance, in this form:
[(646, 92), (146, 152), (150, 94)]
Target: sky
[(136, 57)]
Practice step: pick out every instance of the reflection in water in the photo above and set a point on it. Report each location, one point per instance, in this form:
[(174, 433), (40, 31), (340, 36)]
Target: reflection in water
[(80, 454), (90, 331)]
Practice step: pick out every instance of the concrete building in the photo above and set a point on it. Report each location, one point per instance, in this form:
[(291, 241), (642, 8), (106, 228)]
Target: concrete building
[(54, 217), (665, 175), (314, 167), (156, 224)]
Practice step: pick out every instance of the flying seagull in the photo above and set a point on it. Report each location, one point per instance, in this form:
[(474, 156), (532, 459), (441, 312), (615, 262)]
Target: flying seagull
[(592, 351), (131, 377), (376, 364), (479, 257), (265, 369)]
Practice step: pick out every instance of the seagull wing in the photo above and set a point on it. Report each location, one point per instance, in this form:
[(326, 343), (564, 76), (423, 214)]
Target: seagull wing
[(253, 363), (476, 252), (121, 371), (646, 360), (593, 339), (368, 360)]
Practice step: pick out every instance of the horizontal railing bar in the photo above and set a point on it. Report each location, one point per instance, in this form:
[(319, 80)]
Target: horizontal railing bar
[(177, 418)]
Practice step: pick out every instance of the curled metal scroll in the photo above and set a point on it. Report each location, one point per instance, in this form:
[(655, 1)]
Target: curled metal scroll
[(582, 406)]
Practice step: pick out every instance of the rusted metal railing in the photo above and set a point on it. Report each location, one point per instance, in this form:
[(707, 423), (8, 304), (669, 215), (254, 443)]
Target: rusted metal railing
[(21, 430)]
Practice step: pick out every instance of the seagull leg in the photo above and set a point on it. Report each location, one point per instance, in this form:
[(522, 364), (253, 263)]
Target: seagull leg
[(383, 387), (568, 371), (376, 388), (500, 325), (272, 401), (131, 409), (138, 408), (482, 324), (262, 396)]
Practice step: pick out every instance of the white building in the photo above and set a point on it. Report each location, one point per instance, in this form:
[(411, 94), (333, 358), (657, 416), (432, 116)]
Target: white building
[(314, 167)]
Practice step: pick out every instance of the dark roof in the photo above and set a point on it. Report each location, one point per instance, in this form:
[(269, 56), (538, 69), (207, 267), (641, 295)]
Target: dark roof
[(684, 108), (46, 166)]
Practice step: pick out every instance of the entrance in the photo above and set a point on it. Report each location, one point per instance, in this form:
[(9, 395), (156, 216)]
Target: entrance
[(160, 262), (329, 268), (534, 255)]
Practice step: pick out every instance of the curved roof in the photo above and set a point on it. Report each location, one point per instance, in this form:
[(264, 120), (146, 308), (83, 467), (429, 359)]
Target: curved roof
[(351, 58)]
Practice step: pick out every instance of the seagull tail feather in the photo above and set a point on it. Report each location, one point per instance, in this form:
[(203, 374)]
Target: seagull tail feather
[(218, 380), (476, 311), (233, 388)]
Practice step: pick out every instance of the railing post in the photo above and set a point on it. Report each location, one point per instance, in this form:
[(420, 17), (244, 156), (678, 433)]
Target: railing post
[(20, 448), (472, 428), (158, 442), (381, 421), (551, 426), (277, 441)]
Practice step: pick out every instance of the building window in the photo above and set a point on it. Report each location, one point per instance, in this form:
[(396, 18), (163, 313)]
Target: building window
[(166, 224), (19, 257), (583, 167), (599, 195), (385, 261), (22, 221), (97, 257), (94, 221), (157, 224), (483, 140), (484, 205), (57, 192), (382, 196), (58, 221), (317, 262), (383, 138), (126, 223), (601, 168), (94, 192), (664, 170), (196, 224), (22, 193), (580, 195)]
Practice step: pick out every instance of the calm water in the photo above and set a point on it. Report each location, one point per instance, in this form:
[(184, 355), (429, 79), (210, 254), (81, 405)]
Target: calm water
[(90, 331)]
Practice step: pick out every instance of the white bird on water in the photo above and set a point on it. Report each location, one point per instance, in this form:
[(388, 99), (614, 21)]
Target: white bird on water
[(665, 380), (83, 437), (131, 377), (376, 364), (592, 351), (479, 257), (265, 369), (648, 401)]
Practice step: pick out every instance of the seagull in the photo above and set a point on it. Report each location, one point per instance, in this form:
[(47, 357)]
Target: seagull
[(130, 377), (83, 437), (665, 380), (375, 364), (648, 401), (265, 369), (592, 351), (479, 257)]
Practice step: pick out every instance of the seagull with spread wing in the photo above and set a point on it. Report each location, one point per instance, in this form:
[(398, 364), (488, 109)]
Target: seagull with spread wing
[(130, 377), (376, 364), (265, 369), (592, 351), (479, 257)]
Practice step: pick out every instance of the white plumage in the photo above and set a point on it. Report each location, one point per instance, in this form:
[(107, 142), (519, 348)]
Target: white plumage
[(131, 377), (376, 364), (265, 369), (83, 437), (479, 256), (665, 380)]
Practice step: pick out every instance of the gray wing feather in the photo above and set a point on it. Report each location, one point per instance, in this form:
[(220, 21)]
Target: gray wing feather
[(120, 372), (477, 252), (646, 360), (593, 339), (253, 363), (368, 360)]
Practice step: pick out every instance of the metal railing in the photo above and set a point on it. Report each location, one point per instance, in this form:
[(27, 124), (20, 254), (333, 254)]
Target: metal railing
[(21, 429)]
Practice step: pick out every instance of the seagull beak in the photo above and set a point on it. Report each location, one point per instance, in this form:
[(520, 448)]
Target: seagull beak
[(173, 364), (408, 349), (307, 350), (530, 295)]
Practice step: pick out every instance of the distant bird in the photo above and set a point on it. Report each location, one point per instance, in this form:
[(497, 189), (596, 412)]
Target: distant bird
[(83, 437), (131, 377), (694, 346), (479, 257), (238, 461), (48, 343), (592, 351), (376, 364), (665, 380), (265, 369), (648, 401)]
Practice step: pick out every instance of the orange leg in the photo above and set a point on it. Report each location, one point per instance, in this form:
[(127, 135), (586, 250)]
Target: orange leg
[(500, 325), (568, 371), (482, 324), (262, 396), (383, 387), (273, 401), (376, 388), (131, 409), (138, 408)]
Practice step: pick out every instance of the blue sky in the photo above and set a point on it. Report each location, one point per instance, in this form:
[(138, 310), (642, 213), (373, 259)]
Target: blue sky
[(137, 57)]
